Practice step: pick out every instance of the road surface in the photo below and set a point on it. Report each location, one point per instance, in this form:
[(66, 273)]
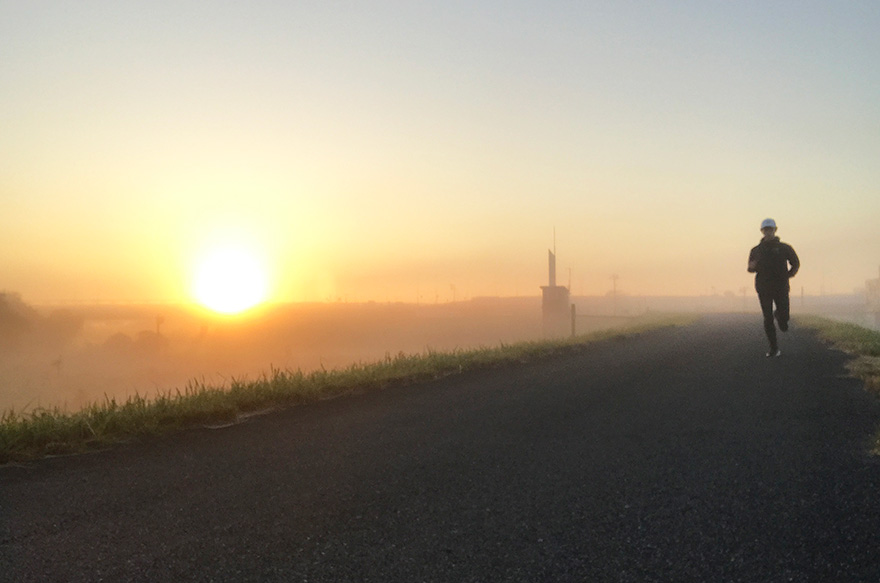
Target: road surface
[(676, 455)]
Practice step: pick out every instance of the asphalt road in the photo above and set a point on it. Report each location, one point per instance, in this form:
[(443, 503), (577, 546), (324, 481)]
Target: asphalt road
[(677, 455)]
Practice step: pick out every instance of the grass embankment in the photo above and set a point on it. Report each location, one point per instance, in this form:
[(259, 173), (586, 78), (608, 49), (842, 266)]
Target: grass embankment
[(863, 344), (30, 435)]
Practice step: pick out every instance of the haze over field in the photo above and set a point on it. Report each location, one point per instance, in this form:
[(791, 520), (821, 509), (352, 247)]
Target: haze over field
[(426, 151), (77, 355)]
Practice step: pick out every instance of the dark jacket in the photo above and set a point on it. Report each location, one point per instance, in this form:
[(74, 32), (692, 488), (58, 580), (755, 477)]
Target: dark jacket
[(776, 263)]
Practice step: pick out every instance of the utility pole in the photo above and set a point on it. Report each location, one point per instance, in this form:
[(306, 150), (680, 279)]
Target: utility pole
[(614, 279)]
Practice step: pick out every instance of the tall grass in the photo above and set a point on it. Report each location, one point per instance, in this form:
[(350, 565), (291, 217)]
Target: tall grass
[(54, 431)]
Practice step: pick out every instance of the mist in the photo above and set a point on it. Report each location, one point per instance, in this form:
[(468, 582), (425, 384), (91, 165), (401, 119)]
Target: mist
[(71, 356)]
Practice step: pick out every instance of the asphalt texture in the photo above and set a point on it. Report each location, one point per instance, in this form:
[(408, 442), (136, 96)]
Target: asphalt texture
[(675, 455)]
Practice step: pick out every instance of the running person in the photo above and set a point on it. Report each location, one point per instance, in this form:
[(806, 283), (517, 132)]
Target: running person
[(773, 263)]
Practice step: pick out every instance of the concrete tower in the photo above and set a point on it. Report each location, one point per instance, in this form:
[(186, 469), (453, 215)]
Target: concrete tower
[(555, 304)]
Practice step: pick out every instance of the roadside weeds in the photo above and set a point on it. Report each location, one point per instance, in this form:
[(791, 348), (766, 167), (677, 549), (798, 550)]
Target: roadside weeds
[(861, 343), (54, 431)]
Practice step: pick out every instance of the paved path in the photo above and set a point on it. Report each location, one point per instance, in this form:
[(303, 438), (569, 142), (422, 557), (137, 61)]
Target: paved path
[(678, 455)]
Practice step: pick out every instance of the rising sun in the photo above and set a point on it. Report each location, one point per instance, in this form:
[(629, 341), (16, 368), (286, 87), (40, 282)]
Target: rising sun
[(230, 280)]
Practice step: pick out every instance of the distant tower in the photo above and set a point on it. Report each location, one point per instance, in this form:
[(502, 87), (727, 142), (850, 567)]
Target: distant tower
[(555, 304)]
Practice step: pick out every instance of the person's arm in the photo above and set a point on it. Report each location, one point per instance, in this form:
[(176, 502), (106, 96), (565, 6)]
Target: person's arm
[(793, 261), (753, 260)]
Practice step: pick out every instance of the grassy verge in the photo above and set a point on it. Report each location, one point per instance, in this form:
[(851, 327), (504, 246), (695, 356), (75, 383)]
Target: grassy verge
[(863, 344), (35, 434)]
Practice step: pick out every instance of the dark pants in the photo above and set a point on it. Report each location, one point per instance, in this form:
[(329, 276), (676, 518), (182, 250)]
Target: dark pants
[(768, 296)]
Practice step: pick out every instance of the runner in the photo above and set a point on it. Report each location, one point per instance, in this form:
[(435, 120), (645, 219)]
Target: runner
[(773, 263)]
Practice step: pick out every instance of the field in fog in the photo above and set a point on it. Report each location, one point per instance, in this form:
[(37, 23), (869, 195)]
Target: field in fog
[(75, 355)]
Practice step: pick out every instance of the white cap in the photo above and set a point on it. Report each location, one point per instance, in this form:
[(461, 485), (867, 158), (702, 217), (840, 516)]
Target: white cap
[(768, 223)]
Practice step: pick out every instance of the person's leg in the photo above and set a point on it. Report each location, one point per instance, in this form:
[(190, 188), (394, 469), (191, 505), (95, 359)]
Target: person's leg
[(782, 308), (766, 300)]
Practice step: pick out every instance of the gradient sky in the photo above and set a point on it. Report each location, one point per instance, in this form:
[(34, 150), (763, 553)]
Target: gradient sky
[(390, 150)]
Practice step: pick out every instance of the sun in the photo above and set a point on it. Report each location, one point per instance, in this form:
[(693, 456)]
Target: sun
[(230, 280)]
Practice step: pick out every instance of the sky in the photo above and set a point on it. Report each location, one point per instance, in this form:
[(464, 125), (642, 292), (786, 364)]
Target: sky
[(425, 151)]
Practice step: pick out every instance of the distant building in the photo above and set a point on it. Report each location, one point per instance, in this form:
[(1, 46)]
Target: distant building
[(555, 304)]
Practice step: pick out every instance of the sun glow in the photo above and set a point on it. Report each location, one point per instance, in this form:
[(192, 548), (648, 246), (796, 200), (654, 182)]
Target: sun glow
[(230, 280)]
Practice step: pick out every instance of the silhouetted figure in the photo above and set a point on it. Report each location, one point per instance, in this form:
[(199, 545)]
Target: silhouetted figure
[(773, 263)]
